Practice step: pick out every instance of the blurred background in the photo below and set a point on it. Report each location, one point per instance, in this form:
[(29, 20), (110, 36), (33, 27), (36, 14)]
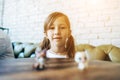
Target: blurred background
[(92, 21)]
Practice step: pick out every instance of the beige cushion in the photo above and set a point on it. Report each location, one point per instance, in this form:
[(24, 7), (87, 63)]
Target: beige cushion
[(101, 52)]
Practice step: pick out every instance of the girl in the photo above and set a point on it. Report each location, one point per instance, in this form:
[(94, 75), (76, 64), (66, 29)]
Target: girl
[(58, 41)]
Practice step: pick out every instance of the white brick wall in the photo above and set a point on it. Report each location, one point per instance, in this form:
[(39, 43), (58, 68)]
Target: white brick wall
[(92, 21), (1, 8)]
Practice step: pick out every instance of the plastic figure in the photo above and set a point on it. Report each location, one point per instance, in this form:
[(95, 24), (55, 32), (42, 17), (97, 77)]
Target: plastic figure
[(81, 59)]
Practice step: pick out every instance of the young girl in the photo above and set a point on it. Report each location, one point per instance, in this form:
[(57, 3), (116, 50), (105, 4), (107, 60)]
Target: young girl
[(58, 41)]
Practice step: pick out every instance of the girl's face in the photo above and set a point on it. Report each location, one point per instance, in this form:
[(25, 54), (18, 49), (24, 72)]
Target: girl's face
[(58, 32)]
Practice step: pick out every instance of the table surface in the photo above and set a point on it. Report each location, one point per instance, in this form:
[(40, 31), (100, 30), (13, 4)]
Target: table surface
[(58, 69)]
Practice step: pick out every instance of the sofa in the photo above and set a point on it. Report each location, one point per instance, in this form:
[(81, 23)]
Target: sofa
[(24, 50), (102, 52)]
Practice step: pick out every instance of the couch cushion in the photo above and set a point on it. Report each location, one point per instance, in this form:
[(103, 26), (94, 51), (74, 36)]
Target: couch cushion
[(24, 50), (101, 52)]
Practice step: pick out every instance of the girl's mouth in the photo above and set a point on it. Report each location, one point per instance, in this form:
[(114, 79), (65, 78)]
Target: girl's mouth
[(57, 38)]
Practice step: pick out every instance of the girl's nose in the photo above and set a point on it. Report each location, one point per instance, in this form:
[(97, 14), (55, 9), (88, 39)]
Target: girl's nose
[(57, 31)]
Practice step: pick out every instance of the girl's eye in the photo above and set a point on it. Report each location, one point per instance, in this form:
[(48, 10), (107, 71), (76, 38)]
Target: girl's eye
[(51, 27), (62, 27)]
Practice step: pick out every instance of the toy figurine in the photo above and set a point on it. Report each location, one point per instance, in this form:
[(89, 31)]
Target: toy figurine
[(40, 61), (81, 59)]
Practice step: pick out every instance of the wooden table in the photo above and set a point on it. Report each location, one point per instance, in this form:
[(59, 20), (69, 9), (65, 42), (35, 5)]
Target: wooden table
[(58, 69)]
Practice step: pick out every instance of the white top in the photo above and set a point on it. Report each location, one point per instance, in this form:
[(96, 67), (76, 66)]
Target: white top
[(50, 54)]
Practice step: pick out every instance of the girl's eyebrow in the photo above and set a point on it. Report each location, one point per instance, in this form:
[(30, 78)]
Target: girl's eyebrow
[(63, 24)]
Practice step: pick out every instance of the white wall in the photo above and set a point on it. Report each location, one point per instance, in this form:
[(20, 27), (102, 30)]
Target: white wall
[(1, 7), (92, 21)]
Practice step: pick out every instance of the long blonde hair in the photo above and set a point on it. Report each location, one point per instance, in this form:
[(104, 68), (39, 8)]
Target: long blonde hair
[(70, 47)]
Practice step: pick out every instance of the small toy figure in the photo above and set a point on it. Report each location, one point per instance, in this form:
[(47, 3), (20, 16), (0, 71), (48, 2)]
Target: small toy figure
[(81, 59), (40, 61)]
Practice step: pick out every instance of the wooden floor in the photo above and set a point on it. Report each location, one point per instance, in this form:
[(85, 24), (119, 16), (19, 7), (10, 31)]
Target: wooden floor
[(58, 69)]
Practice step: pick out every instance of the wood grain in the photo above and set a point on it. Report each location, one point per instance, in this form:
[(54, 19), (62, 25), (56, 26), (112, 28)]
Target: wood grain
[(58, 69)]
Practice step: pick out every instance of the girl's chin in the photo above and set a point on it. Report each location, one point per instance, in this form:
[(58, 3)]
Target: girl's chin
[(58, 43), (57, 40)]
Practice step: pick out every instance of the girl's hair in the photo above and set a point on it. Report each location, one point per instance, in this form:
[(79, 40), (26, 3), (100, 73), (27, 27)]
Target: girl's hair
[(70, 47)]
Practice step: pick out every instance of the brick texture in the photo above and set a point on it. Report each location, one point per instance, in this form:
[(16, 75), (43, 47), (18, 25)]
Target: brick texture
[(92, 21)]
